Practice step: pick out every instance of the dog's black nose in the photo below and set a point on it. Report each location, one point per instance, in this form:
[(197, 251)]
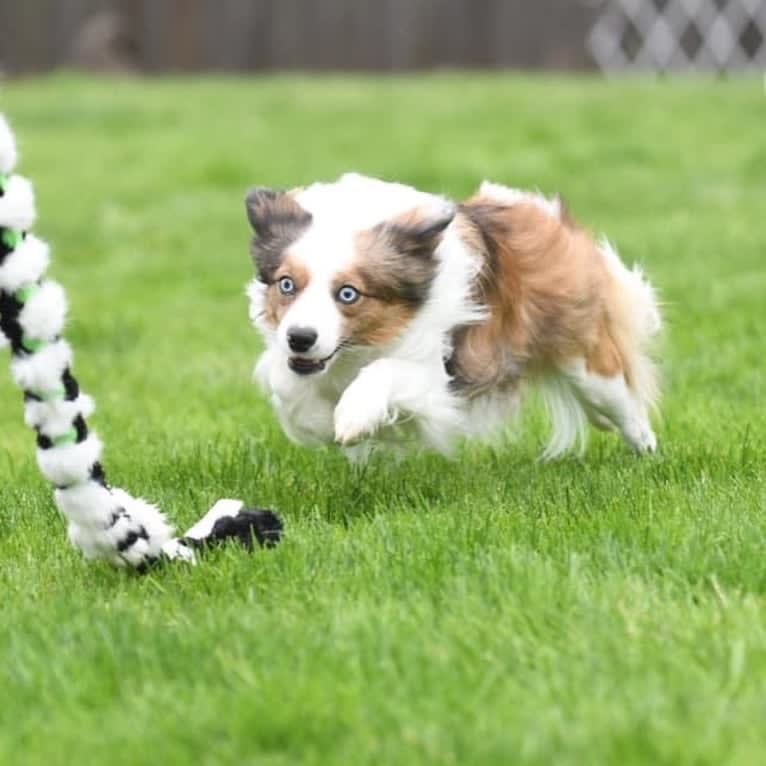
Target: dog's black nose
[(301, 339)]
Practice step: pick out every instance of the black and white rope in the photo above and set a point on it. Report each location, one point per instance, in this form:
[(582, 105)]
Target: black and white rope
[(103, 521)]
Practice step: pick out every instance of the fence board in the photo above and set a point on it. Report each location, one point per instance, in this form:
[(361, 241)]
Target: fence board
[(191, 35)]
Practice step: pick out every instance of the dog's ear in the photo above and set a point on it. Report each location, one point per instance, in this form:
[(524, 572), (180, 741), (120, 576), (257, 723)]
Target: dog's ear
[(277, 220), (273, 213), (397, 255), (418, 232)]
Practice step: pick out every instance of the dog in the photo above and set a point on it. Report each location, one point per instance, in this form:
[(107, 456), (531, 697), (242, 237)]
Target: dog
[(394, 316)]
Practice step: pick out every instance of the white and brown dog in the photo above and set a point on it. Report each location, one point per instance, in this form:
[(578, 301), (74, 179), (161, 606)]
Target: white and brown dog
[(392, 315)]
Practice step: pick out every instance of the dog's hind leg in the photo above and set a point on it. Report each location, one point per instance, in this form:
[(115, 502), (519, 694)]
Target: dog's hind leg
[(608, 400)]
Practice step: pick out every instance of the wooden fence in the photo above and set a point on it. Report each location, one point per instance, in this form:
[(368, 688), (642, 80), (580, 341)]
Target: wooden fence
[(247, 35)]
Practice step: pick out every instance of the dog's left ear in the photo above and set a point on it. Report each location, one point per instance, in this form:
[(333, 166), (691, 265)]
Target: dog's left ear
[(418, 232)]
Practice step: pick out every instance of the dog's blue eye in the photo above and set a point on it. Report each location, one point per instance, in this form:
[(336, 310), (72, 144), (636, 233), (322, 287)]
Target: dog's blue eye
[(348, 295), (286, 286)]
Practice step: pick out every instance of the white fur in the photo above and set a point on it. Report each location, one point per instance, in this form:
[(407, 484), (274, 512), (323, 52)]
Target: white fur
[(391, 390), (224, 507), (147, 515), (610, 398), (305, 413), (176, 550), (71, 463), (8, 152), (488, 417), (42, 370), (91, 509), (355, 202), (94, 544), (97, 537), (44, 312), (55, 417), (509, 196), (256, 294), (450, 305), (647, 318), (87, 504), (25, 265), (568, 420), (17, 205), (575, 396), (639, 324)]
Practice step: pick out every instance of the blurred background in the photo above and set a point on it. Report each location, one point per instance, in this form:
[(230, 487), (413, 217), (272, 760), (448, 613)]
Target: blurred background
[(381, 35)]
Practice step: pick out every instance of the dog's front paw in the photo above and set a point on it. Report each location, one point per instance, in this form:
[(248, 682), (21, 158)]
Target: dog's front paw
[(358, 415)]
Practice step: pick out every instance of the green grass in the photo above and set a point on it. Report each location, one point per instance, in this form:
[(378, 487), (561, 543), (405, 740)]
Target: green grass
[(490, 610)]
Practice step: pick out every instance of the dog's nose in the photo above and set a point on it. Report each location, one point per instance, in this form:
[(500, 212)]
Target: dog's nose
[(301, 339)]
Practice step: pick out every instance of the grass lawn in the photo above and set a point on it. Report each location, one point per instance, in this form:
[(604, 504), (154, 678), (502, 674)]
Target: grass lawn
[(490, 610)]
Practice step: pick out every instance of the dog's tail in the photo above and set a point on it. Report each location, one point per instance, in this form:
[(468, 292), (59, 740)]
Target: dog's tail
[(635, 322)]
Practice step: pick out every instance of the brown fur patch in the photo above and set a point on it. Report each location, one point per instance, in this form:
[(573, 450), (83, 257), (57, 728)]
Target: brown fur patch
[(376, 323), (395, 259), (278, 221), (393, 269), (388, 274), (378, 317), (417, 232), (545, 284), (276, 304), (604, 358)]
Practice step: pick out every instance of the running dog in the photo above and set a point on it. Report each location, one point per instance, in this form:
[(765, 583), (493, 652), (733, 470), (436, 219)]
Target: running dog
[(393, 315)]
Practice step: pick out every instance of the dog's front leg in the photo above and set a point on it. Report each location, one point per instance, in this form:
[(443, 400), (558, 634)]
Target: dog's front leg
[(386, 390)]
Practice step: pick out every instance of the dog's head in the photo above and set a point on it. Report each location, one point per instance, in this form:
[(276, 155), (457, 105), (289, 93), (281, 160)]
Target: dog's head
[(341, 265)]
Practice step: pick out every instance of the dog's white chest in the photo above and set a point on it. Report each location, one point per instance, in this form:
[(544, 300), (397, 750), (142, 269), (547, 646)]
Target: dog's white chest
[(305, 412)]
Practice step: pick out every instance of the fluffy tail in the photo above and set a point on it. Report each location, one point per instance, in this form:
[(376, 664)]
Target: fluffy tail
[(104, 522), (635, 322)]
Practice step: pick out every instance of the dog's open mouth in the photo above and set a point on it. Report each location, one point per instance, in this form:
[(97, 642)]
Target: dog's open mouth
[(305, 366), (302, 366)]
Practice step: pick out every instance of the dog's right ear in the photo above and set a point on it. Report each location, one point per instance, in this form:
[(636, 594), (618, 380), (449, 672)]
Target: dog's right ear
[(273, 212), (277, 220)]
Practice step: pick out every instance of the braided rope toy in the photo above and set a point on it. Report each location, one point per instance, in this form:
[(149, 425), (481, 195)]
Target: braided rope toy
[(103, 521)]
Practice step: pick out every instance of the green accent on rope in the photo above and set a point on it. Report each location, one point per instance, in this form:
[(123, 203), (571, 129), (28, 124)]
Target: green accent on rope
[(70, 437), (32, 344), (12, 239), (52, 394), (23, 294)]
